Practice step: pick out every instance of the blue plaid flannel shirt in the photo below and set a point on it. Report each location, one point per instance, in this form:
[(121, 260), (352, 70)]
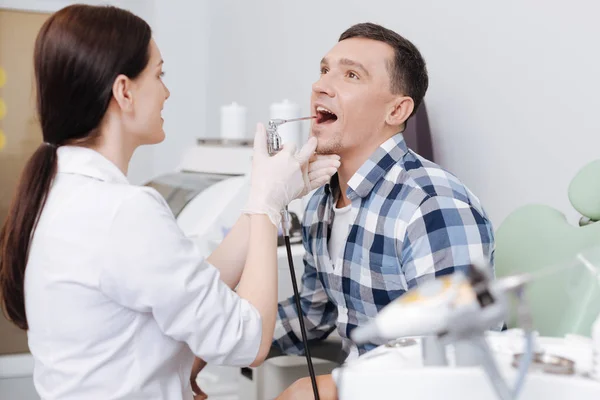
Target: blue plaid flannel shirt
[(413, 221)]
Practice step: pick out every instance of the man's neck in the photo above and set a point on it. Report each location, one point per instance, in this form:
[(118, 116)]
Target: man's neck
[(349, 165), (351, 162)]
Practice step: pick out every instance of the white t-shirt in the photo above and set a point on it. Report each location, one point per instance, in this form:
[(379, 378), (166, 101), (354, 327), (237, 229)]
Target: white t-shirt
[(118, 299), (339, 232)]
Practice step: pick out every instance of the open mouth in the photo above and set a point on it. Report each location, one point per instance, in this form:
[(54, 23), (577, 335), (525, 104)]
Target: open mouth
[(325, 116)]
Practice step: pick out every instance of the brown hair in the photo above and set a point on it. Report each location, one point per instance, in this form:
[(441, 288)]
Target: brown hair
[(408, 73), (79, 52)]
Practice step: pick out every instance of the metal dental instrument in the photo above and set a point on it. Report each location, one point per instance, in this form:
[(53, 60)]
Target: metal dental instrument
[(273, 138), (274, 145)]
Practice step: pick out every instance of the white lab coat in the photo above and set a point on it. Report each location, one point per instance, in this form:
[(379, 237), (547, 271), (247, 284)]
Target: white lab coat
[(118, 300)]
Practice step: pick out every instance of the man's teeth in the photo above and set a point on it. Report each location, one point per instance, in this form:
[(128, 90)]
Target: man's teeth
[(323, 109)]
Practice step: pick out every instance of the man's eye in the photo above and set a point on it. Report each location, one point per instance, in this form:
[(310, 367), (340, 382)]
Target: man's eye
[(352, 75), (324, 70)]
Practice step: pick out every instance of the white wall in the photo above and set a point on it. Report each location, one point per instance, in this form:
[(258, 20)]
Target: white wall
[(512, 99), (142, 165), (512, 85), (181, 32)]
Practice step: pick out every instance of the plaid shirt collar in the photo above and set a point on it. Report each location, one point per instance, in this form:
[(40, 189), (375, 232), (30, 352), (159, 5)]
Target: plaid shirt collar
[(372, 170)]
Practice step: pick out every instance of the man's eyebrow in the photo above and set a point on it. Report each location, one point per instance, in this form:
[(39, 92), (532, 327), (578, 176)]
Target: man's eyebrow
[(324, 61), (351, 63)]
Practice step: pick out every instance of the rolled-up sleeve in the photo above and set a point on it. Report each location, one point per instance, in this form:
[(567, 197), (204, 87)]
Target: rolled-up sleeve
[(152, 267)]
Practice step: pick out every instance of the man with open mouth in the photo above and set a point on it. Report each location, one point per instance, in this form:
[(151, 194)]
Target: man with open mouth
[(389, 220)]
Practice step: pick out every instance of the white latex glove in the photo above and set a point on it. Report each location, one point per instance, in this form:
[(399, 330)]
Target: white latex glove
[(319, 171), (279, 179)]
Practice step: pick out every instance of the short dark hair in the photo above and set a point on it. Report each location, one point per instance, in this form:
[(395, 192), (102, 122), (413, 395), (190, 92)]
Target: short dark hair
[(408, 72)]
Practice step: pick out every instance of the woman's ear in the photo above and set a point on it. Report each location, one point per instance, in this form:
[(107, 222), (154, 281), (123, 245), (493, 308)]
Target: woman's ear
[(121, 91)]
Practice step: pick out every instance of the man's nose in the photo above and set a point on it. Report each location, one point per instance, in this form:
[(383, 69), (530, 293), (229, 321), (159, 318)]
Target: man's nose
[(323, 86)]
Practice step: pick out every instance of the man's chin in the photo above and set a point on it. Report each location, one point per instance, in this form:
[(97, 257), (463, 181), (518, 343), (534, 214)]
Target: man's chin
[(326, 146), (326, 151)]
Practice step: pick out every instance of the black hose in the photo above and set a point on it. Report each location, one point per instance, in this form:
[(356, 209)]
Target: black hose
[(311, 369)]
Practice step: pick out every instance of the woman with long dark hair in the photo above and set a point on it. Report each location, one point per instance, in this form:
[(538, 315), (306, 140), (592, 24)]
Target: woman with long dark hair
[(115, 299)]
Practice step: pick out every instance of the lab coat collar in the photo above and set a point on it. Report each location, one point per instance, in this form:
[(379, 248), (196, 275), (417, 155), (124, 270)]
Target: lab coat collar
[(87, 162)]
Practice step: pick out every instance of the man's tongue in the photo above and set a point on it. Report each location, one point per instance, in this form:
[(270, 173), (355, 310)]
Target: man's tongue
[(324, 117)]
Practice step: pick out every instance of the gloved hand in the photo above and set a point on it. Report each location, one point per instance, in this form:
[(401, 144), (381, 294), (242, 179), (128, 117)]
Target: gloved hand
[(319, 171), (279, 179)]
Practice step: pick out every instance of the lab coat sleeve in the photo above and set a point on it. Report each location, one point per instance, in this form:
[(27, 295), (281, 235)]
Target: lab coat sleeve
[(152, 267), (443, 236)]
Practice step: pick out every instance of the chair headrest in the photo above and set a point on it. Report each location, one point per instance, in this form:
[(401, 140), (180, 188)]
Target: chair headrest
[(584, 191)]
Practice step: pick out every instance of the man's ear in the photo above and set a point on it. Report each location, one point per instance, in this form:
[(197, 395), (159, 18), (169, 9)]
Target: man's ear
[(400, 110), (121, 91)]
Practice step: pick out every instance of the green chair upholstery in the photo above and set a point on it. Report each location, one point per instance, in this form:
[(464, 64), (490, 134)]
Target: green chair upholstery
[(537, 237)]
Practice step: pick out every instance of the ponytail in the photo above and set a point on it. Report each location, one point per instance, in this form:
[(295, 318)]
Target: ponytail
[(17, 232)]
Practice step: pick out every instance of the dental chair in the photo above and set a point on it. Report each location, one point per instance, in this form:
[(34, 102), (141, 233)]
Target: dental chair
[(536, 237)]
